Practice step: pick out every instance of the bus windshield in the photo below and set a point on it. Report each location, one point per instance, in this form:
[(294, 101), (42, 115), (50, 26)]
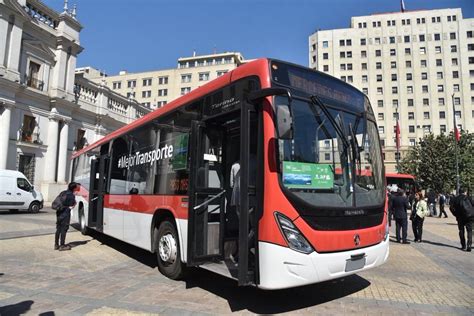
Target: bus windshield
[(321, 168)]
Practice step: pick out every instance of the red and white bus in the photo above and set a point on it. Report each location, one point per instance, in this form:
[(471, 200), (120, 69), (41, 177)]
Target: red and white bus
[(163, 182), (402, 181)]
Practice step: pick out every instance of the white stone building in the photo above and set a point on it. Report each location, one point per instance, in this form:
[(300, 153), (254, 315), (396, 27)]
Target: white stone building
[(413, 64), (46, 110), (156, 88)]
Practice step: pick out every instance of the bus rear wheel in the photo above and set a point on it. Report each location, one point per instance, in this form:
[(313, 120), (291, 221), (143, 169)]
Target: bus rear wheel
[(82, 222), (167, 251)]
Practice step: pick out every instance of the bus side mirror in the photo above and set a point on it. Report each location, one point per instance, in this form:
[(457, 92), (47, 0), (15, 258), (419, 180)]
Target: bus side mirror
[(284, 122)]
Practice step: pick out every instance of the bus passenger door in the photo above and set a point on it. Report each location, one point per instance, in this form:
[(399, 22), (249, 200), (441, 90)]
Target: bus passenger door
[(206, 196), (98, 187)]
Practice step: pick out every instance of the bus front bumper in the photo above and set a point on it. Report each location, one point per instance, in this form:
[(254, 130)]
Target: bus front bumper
[(282, 267)]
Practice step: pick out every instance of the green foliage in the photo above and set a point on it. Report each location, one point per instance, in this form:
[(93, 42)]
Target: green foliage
[(433, 162)]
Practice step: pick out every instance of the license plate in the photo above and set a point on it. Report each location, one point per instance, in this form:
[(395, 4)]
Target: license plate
[(357, 264)]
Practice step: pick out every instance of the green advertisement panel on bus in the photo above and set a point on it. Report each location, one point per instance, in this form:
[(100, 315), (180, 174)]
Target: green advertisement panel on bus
[(303, 175)]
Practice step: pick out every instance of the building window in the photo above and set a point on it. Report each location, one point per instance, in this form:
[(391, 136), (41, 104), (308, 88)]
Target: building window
[(457, 101), (394, 77), (364, 78), (381, 130), (391, 39), (410, 102), (325, 44), (407, 51), (454, 62), (380, 116), (412, 142), (186, 78), (469, 34), (426, 102), (437, 37), (471, 60), (327, 156), (162, 92), (454, 48), (147, 82), (409, 76), (130, 95), (379, 78), (349, 54), (393, 52), (422, 50), (438, 49), (365, 90), (427, 128), (342, 55), (131, 84), (411, 128), (441, 101), (442, 114), (423, 63), (364, 66), (426, 115), (325, 56), (452, 36), (456, 88), (161, 103), (424, 76), (363, 54), (29, 124), (455, 74), (439, 62), (377, 40), (394, 90), (146, 94), (33, 79), (349, 66), (408, 64), (116, 85), (409, 89), (380, 103), (378, 65), (393, 64), (442, 128), (422, 37), (470, 47), (203, 76), (406, 38), (162, 80), (325, 68), (343, 78), (221, 72), (440, 88), (80, 139), (457, 114), (185, 90), (411, 115), (350, 79), (379, 90), (395, 102), (378, 53), (342, 66), (363, 42)]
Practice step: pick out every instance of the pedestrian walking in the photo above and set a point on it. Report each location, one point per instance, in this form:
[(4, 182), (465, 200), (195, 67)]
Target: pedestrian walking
[(442, 202), (432, 202), (399, 207), (63, 204), (419, 212), (462, 208)]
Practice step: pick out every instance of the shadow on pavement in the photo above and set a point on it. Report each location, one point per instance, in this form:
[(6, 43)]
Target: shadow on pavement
[(78, 243), (138, 254), (277, 301), (439, 244), (16, 309)]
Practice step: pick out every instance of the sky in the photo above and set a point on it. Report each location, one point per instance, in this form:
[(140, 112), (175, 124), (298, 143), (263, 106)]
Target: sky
[(144, 35)]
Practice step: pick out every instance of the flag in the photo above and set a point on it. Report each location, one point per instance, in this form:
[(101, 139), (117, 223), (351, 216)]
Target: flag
[(397, 135), (457, 134), (402, 5)]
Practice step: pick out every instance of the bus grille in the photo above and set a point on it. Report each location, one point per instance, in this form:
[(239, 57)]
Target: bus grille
[(343, 222)]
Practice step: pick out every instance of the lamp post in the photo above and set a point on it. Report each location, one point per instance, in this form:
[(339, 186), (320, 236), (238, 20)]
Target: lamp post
[(455, 146), (397, 139)]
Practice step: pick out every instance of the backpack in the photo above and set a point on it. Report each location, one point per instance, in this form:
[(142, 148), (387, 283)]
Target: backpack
[(466, 207), (58, 203)]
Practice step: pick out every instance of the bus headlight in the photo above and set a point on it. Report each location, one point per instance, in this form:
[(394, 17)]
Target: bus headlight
[(292, 235)]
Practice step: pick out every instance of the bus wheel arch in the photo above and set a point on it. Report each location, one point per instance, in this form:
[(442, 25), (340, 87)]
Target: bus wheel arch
[(166, 243)]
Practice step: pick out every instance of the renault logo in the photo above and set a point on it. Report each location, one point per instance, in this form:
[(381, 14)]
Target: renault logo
[(356, 239)]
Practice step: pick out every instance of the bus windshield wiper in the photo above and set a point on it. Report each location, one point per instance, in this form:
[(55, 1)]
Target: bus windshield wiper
[(316, 100)]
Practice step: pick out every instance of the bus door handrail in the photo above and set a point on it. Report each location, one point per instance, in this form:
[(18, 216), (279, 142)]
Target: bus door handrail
[(209, 200)]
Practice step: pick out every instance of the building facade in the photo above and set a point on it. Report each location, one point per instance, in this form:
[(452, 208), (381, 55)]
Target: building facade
[(412, 65), (46, 110), (154, 89)]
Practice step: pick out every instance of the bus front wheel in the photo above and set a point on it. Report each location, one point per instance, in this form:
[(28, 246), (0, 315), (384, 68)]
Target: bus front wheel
[(82, 222), (167, 251)]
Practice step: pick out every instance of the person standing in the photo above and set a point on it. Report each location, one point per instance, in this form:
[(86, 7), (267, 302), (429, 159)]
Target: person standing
[(442, 202), (462, 208), (399, 208), (420, 211), (432, 202), (63, 216)]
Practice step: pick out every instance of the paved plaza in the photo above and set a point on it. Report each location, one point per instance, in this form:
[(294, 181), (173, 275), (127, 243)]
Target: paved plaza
[(102, 276)]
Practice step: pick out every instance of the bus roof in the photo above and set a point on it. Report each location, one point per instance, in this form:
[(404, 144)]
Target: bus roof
[(399, 175), (257, 67)]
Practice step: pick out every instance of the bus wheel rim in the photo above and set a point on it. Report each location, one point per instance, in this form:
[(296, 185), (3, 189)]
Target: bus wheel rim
[(83, 222), (167, 248)]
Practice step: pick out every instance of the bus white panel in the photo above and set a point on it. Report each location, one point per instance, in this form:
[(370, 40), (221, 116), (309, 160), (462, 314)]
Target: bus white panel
[(182, 225), (136, 229), (113, 222), (281, 267)]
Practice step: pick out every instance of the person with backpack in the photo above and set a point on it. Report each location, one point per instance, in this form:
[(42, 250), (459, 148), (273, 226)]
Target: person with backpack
[(442, 202), (63, 204), (463, 209)]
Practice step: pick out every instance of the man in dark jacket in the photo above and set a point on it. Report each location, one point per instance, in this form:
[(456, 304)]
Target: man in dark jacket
[(399, 207), (462, 208), (63, 216)]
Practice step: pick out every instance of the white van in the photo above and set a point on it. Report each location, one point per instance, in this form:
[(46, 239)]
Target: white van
[(17, 193)]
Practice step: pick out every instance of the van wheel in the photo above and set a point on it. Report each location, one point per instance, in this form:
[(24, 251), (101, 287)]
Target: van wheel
[(34, 207), (167, 251), (82, 222)]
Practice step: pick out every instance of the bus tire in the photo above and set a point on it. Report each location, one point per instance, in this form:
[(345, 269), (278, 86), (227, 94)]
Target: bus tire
[(167, 251), (82, 222)]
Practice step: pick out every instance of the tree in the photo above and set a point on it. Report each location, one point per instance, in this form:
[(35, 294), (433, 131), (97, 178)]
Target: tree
[(433, 162)]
